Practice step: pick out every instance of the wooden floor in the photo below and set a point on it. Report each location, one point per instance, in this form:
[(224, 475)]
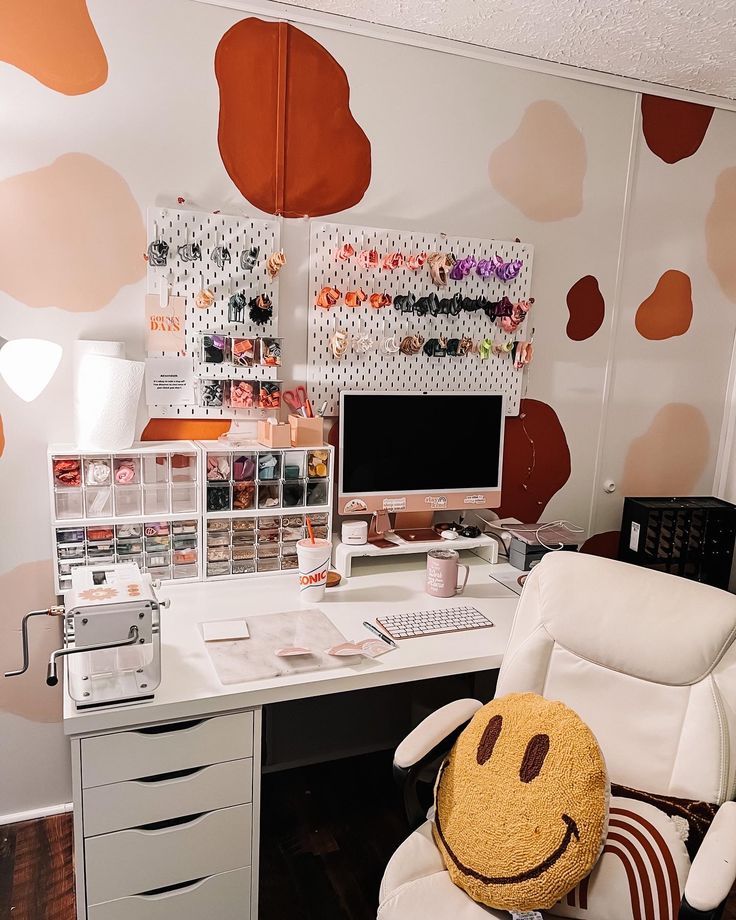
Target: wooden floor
[(326, 836)]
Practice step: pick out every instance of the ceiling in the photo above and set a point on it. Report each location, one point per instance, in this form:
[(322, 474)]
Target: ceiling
[(689, 44)]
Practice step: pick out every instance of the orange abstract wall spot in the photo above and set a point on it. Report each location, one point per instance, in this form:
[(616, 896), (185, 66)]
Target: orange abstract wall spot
[(29, 587), (671, 456), (536, 461), (673, 129), (668, 311), (184, 429), (540, 169), (720, 232), (287, 137), (602, 544), (81, 216), (586, 307), (55, 42)]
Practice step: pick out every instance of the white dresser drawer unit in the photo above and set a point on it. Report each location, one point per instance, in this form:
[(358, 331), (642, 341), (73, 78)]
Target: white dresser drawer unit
[(119, 806), (166, 748), (137, 861), (224, 897)]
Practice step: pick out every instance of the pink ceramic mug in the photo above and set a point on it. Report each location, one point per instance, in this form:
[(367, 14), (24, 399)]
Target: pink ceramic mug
[(442, 573)]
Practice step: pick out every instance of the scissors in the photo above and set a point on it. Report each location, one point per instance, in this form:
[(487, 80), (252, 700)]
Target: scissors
[(297, 401)]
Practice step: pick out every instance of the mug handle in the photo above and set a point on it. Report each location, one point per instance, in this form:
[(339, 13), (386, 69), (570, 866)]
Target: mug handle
[(460, 588)]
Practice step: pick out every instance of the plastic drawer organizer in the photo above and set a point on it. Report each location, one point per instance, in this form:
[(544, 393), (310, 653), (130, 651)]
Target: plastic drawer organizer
[(184, 511), (142, 505), (255, 503)]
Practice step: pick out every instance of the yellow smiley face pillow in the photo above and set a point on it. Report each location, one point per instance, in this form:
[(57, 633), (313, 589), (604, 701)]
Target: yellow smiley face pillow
[(521, 805)]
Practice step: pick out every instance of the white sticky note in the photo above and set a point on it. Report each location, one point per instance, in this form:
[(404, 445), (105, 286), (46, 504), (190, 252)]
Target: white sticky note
[(224, 630), (169, 382)]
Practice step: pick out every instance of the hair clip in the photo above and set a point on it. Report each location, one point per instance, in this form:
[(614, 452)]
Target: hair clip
[(204, 297), (248, 259), (189, 252), (275, 263), (392, 261), (434, 304), (466, 347), (345, 252), (339, 343), (221, 255), (355, 298), (522, 354), (236, 308), (362, 341), (261, 309), (158, 253), (417, 261), (453, 348), (436, 348), (463, 267), (501, 349), (411, 345), (439, 263), (389, 344), (380, 300), (369, 258), (485, 346), (507, 271), (327, 298), (404, 303)]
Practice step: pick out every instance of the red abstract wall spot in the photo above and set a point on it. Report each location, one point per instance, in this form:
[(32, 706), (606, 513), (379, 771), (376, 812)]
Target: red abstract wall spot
[(55, 42), (587, 309), (184, 429), (602, 544), (668, 311), (673, 129), (536, 461), (286, 134)]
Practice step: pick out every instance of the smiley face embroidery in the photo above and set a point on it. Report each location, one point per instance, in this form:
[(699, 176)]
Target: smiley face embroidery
[(522, 804)]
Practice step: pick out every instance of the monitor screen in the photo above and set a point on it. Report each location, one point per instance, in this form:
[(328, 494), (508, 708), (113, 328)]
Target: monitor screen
[(403, 443)]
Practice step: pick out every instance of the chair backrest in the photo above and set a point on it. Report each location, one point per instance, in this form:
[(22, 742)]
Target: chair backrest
[(645, 658)]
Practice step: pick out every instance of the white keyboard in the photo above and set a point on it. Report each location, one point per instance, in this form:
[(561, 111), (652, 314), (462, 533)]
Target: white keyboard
[(433, 622)]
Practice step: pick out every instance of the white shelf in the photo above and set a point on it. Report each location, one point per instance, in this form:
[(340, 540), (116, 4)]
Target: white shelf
[(344, 553)]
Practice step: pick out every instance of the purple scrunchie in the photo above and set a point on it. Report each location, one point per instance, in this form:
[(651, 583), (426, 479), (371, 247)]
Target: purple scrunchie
[(485, 268), (507, 271), (462, 268)]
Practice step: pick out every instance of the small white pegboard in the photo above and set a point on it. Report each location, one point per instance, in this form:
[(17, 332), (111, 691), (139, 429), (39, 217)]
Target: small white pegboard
[(177, 227), (375, 369)]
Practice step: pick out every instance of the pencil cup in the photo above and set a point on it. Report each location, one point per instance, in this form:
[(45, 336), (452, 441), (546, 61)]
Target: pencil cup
[(314, 561)]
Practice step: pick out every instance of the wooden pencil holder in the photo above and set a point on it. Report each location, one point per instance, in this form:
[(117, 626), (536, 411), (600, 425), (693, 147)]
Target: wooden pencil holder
[(274, 435), (306, 432)]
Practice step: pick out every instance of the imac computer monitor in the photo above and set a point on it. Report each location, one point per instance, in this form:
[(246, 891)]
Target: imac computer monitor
[(420, 452)]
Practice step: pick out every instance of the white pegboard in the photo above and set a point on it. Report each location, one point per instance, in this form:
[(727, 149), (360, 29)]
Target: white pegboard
[(377, 370), (238, 233)]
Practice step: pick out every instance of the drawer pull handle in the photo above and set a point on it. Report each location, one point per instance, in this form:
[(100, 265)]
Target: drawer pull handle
[(168, 777), (169, 890), (171, 727), (169, 823)]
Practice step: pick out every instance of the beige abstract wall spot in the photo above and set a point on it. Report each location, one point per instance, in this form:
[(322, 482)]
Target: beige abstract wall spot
[(54, 41), (541, 168), (80, 215), (671, 455), (668, 311), (720, 232), (29, 587), (2, 437)]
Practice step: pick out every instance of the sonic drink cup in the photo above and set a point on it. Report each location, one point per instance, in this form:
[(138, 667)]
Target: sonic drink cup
[(314, 561)]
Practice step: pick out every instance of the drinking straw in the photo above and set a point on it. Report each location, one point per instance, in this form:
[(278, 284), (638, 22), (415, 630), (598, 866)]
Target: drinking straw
[(309, 529)]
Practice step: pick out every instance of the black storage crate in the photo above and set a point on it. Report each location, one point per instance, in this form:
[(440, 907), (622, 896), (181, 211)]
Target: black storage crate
[(691, 537)]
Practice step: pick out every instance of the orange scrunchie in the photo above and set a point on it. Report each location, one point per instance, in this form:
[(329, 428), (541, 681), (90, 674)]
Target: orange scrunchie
[(355, 298), (327, 298)]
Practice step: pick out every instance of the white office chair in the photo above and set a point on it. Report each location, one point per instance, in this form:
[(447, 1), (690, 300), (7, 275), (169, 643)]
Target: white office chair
[(649, 663)]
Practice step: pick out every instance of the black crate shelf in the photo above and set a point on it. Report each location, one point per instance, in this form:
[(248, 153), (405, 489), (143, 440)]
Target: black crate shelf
[(692, 537)]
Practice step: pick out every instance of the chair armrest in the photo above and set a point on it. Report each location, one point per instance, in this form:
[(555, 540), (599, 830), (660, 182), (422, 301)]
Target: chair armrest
[(433, 730), (426, 746), (713, 871)]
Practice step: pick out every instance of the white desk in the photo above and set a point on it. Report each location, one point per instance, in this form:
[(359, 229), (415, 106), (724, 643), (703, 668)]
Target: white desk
[(114, 748)]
